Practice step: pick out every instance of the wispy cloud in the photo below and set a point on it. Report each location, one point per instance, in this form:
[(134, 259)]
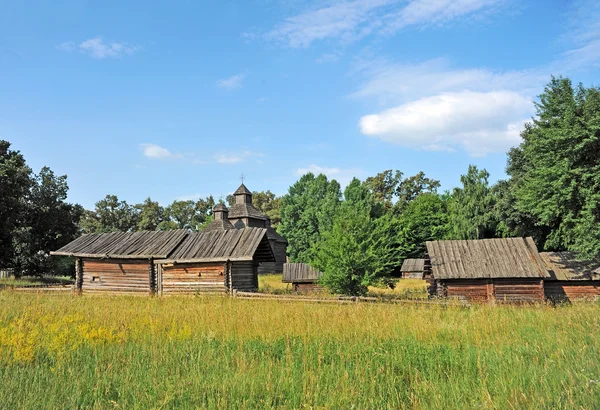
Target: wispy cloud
[(342, 175), (154, 151), (231, 83), (235, 157), (99, 49), (348, 21)]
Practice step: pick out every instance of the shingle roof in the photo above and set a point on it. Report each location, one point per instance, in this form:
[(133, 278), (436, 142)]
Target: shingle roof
[(218, 225), (242, 190), (245, 210), (565, 266), (223, 245), (143, 245), (413, 265), (485, 258)]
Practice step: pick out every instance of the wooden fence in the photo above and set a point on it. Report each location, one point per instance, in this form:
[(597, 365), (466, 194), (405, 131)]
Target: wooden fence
[(299, 273)]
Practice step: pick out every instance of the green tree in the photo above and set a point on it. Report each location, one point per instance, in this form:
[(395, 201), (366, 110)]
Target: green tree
[(384, 187), (269, 204), (471, 208), (307, 210), (410, 188), (555, 171), (49, 222), (188, 214), (15, 183), (151, 215), (110, 215)]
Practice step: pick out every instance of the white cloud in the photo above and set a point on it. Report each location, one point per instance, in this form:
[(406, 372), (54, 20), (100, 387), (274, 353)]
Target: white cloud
[(231, 83), (234, 158), (352, 20), (154, 151), (342, 175), (478, 122), (98, 49), (328, 58)]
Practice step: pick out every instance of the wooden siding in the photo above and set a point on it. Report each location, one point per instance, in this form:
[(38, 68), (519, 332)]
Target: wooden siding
[(499, 290), (192, 278), (412, 275), (244, 276), (110, 275), (558, 291)]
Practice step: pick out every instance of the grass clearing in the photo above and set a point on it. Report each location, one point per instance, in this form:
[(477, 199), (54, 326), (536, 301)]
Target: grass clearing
[(27, 281), (63, 351)]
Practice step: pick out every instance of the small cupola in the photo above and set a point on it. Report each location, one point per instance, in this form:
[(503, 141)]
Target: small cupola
[(243, 195), (220, 212)]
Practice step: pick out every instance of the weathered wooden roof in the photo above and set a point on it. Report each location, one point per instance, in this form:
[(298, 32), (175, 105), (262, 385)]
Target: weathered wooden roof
[(245, 211), (142, 245), (242, 190), (486, 258), (299, 273), (218, 225), (565, 266), (413, 265), (223, 245)]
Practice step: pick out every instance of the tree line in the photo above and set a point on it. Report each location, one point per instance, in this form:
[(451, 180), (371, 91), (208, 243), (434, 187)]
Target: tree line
[(358, 236)]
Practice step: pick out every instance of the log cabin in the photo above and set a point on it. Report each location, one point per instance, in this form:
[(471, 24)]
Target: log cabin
[(570, 278), (303, 277), (412, 268), (169, 262), (506, 270)]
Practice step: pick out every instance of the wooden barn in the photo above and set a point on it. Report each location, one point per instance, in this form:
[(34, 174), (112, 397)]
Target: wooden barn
[(570, 278), (503, 270), (303, 277), (243, 214), (169, 262), (412, 268)]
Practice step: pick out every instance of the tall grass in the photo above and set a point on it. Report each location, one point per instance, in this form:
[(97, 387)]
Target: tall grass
[(218, 352)]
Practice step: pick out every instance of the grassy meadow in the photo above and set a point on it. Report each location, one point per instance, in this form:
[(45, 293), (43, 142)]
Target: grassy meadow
[(63, 351)]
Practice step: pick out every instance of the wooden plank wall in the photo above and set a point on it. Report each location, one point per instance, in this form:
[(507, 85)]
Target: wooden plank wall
[(244, 276), (116, 275), (500, 290), (307, 288), (191, 278), (279, 251), (571, 290)]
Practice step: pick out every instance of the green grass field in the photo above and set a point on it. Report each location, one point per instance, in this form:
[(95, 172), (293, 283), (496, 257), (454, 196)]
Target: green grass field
[(63, 351)]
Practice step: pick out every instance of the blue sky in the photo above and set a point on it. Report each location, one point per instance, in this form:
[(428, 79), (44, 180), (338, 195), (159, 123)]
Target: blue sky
[(175, 100)]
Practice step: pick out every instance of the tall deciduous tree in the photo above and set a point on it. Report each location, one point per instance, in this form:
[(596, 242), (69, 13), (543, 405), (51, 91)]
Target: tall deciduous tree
[(151, 214), (307, 210), (555, 171), (110, 215)]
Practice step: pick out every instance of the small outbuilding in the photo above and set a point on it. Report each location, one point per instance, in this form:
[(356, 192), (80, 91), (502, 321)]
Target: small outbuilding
[(412, 268), (502, 270), (570, 278), (303, 277), (169, 262)]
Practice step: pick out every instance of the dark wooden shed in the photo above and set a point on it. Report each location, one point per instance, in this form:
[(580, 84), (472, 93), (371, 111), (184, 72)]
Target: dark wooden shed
[(215, 261), (570, 278), (303, 277), (413, 268), (169, 262), (503, 270)]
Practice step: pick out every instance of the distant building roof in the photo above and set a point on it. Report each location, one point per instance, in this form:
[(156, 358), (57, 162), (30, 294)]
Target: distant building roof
[(413, 265), (218, 225), (223, 245), (246, 210), (565, 266), (486, 258), (142, 245), (299, 273)]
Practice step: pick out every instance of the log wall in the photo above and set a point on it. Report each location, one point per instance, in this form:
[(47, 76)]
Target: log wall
[(499, 290), (279, 250), (244, 276), (192, 278), (571, 290), (307, 288), (116, 275)]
